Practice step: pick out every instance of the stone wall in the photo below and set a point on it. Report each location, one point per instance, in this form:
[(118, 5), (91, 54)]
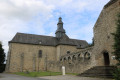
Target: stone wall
[(103, 39), (24, 57), (76, 62), (62, 50)]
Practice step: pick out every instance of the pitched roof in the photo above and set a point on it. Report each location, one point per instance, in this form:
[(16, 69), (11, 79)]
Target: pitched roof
[(110, 3), (47, 40)]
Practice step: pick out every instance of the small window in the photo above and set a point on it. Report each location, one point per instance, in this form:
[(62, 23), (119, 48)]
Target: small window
[(68, 52), (61, 59), (64, 59), (40, 54)]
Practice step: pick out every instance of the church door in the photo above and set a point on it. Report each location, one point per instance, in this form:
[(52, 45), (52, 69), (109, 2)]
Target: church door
[(106, 59)]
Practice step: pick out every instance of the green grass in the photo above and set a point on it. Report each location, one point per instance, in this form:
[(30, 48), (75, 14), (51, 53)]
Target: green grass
[(72, 73), (38, 74), (41, 73)]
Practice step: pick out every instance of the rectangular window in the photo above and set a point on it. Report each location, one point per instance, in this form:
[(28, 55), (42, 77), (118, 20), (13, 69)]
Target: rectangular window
[(40, 54)]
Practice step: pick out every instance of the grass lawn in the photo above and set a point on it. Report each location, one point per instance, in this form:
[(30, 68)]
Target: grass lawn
[(72, 73), (42, 73), (38, 74)]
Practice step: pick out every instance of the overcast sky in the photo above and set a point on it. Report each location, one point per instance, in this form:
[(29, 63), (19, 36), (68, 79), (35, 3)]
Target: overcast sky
[(41, 17)]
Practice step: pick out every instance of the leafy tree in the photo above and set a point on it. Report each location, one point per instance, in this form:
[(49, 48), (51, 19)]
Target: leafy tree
[(116, 47), (2, 58), (91, 44)]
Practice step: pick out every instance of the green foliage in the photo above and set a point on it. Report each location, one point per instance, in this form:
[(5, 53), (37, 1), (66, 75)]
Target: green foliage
[(116, 47), (116, 74), (2, 58), (91, 44)]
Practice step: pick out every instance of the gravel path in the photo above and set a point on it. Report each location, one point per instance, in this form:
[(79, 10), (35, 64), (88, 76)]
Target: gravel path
[(71, 77), (5, 76)]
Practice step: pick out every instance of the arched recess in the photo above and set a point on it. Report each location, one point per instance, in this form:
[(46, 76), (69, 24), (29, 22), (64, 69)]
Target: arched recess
[(87, 55), (106, 58), (69, 58), (64, 59), (74, 58)]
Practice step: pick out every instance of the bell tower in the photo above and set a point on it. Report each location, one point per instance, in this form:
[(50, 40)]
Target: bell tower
[(60, 31)]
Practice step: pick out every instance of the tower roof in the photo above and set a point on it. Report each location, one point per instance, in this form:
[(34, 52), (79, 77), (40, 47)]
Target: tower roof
[(60, 21), (60, 32)]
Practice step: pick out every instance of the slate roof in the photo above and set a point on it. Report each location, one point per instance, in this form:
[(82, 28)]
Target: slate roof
[(47, 40), (110, 3)]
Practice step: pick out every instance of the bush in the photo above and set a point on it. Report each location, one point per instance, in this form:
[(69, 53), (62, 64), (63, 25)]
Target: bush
[(116, 48), (2, 58), (116, 74), (2, 68)]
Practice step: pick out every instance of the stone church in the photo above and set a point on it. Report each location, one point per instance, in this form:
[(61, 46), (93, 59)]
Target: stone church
[(29, 52), (34, 52)]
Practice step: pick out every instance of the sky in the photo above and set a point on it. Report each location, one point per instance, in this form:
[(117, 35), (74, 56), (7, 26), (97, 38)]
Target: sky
[(41, 17)]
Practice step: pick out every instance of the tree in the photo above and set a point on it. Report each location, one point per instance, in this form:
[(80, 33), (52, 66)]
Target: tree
[(2, 58), (116, 45), (91, 44), (116, 48)]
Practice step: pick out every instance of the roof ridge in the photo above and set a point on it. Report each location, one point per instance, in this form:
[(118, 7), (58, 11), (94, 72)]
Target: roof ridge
[(77, 39), (45, 40), (35, 34)]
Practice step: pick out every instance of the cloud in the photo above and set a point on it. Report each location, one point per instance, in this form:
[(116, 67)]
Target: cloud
[(41, 16), (15, 16), (24, 9)]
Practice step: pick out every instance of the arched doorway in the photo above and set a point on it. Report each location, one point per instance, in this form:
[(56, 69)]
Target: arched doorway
[(106, 59)]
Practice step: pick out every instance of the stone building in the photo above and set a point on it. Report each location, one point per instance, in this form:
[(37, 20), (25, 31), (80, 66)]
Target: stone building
[(37, 52), (34, 52)]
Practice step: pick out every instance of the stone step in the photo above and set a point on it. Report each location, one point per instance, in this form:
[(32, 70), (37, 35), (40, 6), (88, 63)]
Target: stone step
[(99, 71)]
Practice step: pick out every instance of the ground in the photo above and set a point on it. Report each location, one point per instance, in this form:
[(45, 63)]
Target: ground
[(5, 76), (71, 77)]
